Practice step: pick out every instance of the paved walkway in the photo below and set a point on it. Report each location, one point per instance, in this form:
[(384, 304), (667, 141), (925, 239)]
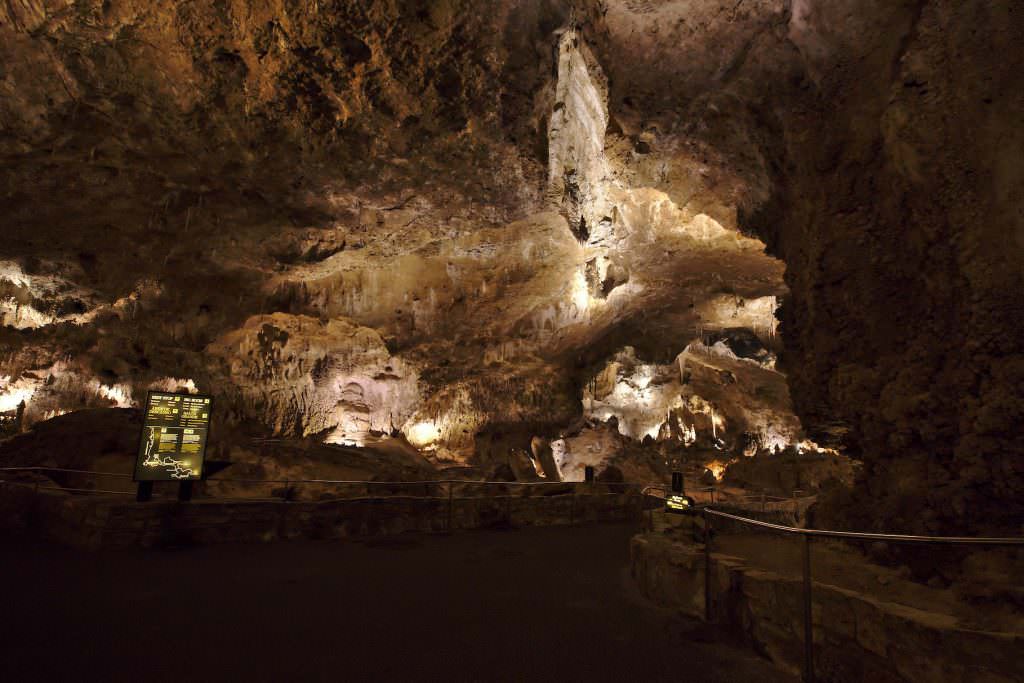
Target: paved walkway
[(534, 604)]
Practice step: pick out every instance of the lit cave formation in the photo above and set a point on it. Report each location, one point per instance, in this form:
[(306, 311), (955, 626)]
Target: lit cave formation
[(776, 245), (424, 230)]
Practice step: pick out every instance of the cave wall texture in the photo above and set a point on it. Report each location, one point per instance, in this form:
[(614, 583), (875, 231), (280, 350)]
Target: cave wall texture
[(365, 216), (900, 220), (887, 136)]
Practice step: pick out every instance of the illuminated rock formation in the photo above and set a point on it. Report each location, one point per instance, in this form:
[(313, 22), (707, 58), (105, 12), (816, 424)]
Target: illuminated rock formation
[(301, 376), (348, 220), (871, 142), (724, 407)]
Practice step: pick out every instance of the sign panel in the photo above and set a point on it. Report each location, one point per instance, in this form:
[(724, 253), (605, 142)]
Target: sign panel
[(174, 432), (679, 504)]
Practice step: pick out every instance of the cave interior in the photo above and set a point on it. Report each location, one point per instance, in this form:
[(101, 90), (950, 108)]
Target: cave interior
[(775, 245)]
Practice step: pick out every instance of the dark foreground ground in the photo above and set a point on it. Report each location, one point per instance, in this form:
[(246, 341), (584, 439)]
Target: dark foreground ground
[(536, 604)]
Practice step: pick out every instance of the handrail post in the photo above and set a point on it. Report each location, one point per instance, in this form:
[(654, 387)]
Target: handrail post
[(572, 506), (808, 614), (448, 525), (707, 567)]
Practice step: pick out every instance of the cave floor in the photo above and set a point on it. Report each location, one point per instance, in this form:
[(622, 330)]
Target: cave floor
[(530, 604)]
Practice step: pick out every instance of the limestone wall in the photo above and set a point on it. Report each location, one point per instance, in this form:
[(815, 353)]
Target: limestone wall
[(96, 522), (857, 637)]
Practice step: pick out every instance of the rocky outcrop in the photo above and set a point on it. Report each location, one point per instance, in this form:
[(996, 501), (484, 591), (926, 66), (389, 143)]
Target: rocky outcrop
[(111, 524), (343, 219), (784, 474), (504, 200), (857, 636), (867, 144), (302, 376), (707, 396), (578, 170), (902, 236)]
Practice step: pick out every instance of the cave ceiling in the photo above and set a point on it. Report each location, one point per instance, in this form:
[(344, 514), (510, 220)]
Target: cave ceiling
[(462, 197), (351, 218)]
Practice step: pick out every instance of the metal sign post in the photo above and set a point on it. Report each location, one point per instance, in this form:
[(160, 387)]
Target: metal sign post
[(144, 492)]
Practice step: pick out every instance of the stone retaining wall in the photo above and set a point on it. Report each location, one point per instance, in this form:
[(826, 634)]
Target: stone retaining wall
[(95, 522), (857, 637)]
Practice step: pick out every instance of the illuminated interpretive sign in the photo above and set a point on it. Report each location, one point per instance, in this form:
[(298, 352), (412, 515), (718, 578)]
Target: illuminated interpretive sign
[(679, 504), (174, 434)]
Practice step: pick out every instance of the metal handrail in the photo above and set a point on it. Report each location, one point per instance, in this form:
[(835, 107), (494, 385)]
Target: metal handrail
[(665, 488), (62, 469), (406, 482), (411, 482), (767, 498), (371, 499), (37, 487), (748, 498), (448, 483), (808, 534), (864, 536), (93, 491)]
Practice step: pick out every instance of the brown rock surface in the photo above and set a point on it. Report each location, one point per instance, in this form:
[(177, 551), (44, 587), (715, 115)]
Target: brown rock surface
[(347, 219), (869, 624)]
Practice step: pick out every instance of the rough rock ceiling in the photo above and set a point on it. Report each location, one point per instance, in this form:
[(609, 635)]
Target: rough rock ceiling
[(348, 217), (872, 139)]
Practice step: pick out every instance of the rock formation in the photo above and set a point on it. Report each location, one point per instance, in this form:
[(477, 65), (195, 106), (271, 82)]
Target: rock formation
[(489, 231)]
